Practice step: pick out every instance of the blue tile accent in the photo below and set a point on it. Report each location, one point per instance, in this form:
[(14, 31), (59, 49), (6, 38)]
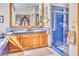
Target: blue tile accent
[(59, 8), (58, 33), (57, 36)]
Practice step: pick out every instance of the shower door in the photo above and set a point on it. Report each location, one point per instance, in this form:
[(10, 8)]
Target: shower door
[(58, 29)]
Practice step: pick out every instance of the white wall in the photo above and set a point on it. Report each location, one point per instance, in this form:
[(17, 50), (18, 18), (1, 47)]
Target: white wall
[(73, 20), (4, 11)]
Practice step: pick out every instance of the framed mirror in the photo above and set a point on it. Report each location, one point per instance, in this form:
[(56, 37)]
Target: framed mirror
[(25, 15)]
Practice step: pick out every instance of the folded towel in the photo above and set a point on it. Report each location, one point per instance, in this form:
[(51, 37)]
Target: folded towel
[(12, 39)]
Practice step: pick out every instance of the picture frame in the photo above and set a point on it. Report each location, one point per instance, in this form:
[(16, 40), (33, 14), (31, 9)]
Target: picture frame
[(1, 19)]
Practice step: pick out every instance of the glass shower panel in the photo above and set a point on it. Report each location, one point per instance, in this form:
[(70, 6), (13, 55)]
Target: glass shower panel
[(59, 29)]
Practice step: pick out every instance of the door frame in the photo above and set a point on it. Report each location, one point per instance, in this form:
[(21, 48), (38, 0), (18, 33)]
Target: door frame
[(78, 32)]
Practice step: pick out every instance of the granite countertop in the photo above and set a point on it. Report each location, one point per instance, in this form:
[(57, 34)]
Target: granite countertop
[(26, 32)]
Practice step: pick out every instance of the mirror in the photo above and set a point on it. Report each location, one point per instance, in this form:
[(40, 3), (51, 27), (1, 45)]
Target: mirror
[(25, 14)]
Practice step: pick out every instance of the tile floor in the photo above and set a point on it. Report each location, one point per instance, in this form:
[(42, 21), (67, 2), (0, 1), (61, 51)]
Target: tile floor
[(43, 51), (64, 48)]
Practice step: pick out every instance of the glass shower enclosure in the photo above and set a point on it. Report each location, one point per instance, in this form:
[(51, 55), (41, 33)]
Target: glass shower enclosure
[(59, 29)]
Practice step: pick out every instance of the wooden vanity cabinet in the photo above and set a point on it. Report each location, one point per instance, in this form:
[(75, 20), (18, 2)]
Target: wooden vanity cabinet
[(26, 41), (43, 39), (29, 41), (35, 39), (13, 48)]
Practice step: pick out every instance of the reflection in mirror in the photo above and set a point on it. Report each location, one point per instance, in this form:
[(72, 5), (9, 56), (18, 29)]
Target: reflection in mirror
[(25, 14), (22, 20)]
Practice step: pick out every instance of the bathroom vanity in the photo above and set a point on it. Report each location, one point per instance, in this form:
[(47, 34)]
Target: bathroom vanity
[(29, 40), (34, 19)]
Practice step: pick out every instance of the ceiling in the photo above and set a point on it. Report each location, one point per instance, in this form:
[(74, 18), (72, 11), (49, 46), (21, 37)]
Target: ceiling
[(24, 6)]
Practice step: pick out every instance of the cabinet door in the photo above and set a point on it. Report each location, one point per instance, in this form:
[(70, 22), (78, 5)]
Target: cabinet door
[(35, 38), (25, 41), (43, 39), (12, 47)]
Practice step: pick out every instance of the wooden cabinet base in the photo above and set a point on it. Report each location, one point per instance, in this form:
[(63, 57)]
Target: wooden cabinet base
[(43, 40), (25, 41), (35, 39), (29, 41)]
